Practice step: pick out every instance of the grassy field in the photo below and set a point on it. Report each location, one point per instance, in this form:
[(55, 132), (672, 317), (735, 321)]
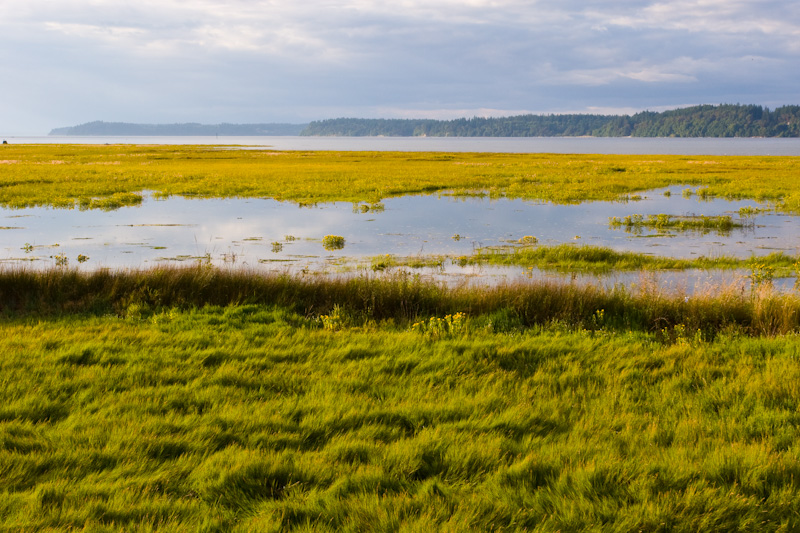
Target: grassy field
[(200, 399), (206, 399), (106, 177)]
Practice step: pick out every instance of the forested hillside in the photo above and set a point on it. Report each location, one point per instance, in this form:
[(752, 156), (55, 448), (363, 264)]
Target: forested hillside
[(697, 121)]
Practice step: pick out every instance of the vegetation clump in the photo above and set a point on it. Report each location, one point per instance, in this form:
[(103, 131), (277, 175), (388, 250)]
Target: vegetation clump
[(439, 328), (569, 257), (333, 242), (387, 261), (720, 224)]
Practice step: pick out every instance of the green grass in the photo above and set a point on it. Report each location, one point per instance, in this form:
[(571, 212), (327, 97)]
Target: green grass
[(399, 298), (261, 416), (569, 257), (333, 242), (720, 224), (111, 176), (204, 399), (380, 263), (598, 259)]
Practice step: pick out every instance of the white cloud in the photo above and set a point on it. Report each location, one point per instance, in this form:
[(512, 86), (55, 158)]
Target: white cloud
[(654, 75), (205, 27), (90, 31), (740, 17), (681, 70), (444, 114)]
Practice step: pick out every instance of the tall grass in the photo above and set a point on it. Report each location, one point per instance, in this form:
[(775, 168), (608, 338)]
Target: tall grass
[(256, 418), (401, 298)]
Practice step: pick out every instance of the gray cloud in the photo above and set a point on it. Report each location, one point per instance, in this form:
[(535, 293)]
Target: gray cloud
[(71, 61)]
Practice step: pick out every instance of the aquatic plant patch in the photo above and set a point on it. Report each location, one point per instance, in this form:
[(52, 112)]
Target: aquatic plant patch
[(721, 224), (333, 242), (573, 257)]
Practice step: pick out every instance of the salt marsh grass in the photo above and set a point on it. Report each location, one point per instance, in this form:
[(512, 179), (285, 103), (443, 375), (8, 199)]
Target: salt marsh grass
[(400, 298), (214, 400), (106, 177)]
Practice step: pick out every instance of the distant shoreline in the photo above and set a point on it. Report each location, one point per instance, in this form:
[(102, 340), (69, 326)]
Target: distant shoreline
[(721, 121)]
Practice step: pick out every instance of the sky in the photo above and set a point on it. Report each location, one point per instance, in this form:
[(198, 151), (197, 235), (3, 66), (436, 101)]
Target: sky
[(67, 62)]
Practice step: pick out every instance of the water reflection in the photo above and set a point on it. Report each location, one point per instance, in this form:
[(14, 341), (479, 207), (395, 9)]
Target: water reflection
[(688, 282), (270, 235)]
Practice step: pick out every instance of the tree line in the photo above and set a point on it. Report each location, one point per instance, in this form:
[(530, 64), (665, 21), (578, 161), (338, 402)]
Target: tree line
[(727, 120)]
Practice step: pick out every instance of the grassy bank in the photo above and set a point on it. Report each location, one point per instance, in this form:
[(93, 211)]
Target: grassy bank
[(107, 177), (395, 299), (206, 400)]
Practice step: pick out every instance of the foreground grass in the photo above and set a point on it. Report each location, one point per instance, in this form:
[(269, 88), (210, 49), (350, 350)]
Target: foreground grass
[(218, 400), (201, 399), (256, 418), (107, 177)]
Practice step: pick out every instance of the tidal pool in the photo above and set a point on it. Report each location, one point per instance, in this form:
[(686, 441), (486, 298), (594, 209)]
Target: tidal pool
[(266, 234)]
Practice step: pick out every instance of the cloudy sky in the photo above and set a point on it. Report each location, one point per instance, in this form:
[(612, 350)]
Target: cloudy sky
[(65, 62)]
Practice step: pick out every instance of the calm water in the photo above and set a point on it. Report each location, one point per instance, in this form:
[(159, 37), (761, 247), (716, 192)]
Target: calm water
[(559, 145), (281, 236), (253, 232)]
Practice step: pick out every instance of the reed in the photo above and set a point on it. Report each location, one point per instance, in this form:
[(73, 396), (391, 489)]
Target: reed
[(398, 297)]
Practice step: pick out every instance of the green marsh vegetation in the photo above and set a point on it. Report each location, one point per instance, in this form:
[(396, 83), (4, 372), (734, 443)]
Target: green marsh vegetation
[(383, 262), (722, 224), (568, 257), (333, 242), (216, 400), (89, 177), (401, 298)]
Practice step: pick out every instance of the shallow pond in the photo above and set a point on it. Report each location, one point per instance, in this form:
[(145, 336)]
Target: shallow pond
[(271, 235)]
